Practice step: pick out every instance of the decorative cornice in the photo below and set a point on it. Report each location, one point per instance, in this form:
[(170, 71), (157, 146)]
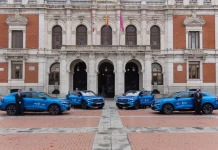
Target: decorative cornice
[(17, 19), (194, 21)]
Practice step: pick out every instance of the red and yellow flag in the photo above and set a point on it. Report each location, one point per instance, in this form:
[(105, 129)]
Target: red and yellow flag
[(106, 20)]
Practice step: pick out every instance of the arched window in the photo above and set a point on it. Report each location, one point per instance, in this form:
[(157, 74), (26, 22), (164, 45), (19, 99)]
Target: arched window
[(81, 35), (56, 37), (157, 75), (131, 35), (54, 76), (155, 37), (106, 35)]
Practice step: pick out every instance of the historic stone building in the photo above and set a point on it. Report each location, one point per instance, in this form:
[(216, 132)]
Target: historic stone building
[(59, 45)]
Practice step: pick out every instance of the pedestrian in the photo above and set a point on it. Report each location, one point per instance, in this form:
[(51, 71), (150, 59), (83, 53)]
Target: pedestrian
[(197, 101), (19, 103)]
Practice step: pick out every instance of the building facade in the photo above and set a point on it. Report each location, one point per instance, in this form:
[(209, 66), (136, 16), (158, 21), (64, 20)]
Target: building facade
[(59, 45)]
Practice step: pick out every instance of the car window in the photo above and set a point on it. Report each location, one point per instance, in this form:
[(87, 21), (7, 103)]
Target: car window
[(184, 95), (36, 95), (145, 93), (27, 94), (75, 93)]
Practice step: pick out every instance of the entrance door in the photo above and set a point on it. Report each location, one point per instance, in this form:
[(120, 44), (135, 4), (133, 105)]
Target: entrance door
[(106, 80), (80, 76), (131, 77)]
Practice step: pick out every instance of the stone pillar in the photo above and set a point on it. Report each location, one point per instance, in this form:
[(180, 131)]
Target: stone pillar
[(119, 76), (201, 40), (118, 28), (186, 39), (143, 27), (216, 92), (24, 2), (147, 73), (94, 33), (10, 39), (216, 29), (46, 31), (41, 29), (170, 30), (68, 32), (63, 76), (24, 38), (186, 2), (42, 72), (10, 1), (92, 75), (169, 73), (40, 1)]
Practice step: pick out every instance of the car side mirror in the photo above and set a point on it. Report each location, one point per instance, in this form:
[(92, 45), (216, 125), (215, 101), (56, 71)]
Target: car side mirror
[(44, 98)]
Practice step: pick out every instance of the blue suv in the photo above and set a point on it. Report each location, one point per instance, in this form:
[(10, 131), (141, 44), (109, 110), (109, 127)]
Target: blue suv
[(183, 101), (135, 99), (85, 99), (35, 102)]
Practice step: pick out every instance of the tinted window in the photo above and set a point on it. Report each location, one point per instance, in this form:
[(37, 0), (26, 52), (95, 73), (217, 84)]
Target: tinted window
[(27, 94), (36, 95), (146, 93), (184, 95), (75, 93)]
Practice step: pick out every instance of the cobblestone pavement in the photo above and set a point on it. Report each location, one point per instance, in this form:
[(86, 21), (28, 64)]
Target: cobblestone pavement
[(109, 129)]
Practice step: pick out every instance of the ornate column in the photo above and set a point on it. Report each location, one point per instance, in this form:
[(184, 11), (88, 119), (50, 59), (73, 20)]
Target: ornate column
[(216, 28), (170, 30), (94, 33), (119, 76), (63, 76), (10, 38), (118, 28), (92, 75), (41, 29), (42, 72), (147, 73), (143, 27), (68, 32), (201, 40), (169, 78)]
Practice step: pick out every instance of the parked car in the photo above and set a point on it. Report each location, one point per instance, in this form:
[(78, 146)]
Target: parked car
[(135, 99), (85, 99), (34, 102), (184, 101)]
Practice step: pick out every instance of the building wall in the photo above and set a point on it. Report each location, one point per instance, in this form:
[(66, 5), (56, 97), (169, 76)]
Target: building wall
[(31, 72)]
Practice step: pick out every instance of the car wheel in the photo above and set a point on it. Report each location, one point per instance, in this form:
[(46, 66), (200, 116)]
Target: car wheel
[(54, 109), (83, 105), (207, 109), (168, 109), (137, 105), (11, 110)]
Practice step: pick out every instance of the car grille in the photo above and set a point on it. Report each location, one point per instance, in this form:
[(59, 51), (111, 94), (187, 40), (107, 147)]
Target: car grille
[(122, 100), (97, 100)]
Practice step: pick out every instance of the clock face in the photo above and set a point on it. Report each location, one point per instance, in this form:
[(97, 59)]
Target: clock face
[(55, 67)]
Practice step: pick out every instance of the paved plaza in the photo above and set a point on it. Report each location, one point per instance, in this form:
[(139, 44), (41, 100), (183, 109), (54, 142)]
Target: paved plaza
[(109, 129)]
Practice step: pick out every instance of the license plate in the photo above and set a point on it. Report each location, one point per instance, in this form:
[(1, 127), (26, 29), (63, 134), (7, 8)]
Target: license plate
[(122, 103)]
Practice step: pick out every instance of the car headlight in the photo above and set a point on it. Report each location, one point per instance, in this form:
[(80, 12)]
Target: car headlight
[(64, 103)]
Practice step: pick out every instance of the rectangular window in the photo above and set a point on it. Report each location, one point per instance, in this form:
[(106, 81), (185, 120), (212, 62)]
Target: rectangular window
[(16, 70), (17, 39), (194, 70), (193, 40), (207, 2), (179, 2)]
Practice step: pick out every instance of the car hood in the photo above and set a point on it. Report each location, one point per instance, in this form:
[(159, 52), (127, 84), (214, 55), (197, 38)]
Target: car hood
[(126, 97)]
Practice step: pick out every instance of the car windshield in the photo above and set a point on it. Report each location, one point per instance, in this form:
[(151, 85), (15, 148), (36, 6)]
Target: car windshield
[(47, 95), (132, 93), (88, 93)]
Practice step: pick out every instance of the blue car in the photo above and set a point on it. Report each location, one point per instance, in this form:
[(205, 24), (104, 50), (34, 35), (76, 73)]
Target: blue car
[(184, 101), (135, 99), (35, 102), (85, 99)]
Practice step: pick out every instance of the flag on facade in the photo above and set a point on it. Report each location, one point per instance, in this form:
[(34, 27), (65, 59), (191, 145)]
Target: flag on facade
[(106, 18), (121, 21)]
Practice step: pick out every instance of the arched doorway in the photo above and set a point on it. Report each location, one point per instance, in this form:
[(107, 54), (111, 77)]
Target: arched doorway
[(106, 80), (78, 76), (132, 76)]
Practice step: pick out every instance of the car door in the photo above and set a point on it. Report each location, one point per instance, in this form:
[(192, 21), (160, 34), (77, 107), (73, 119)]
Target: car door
[(28, 102), (145, 98), (75, 98), (184, 101), (39, 101)]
